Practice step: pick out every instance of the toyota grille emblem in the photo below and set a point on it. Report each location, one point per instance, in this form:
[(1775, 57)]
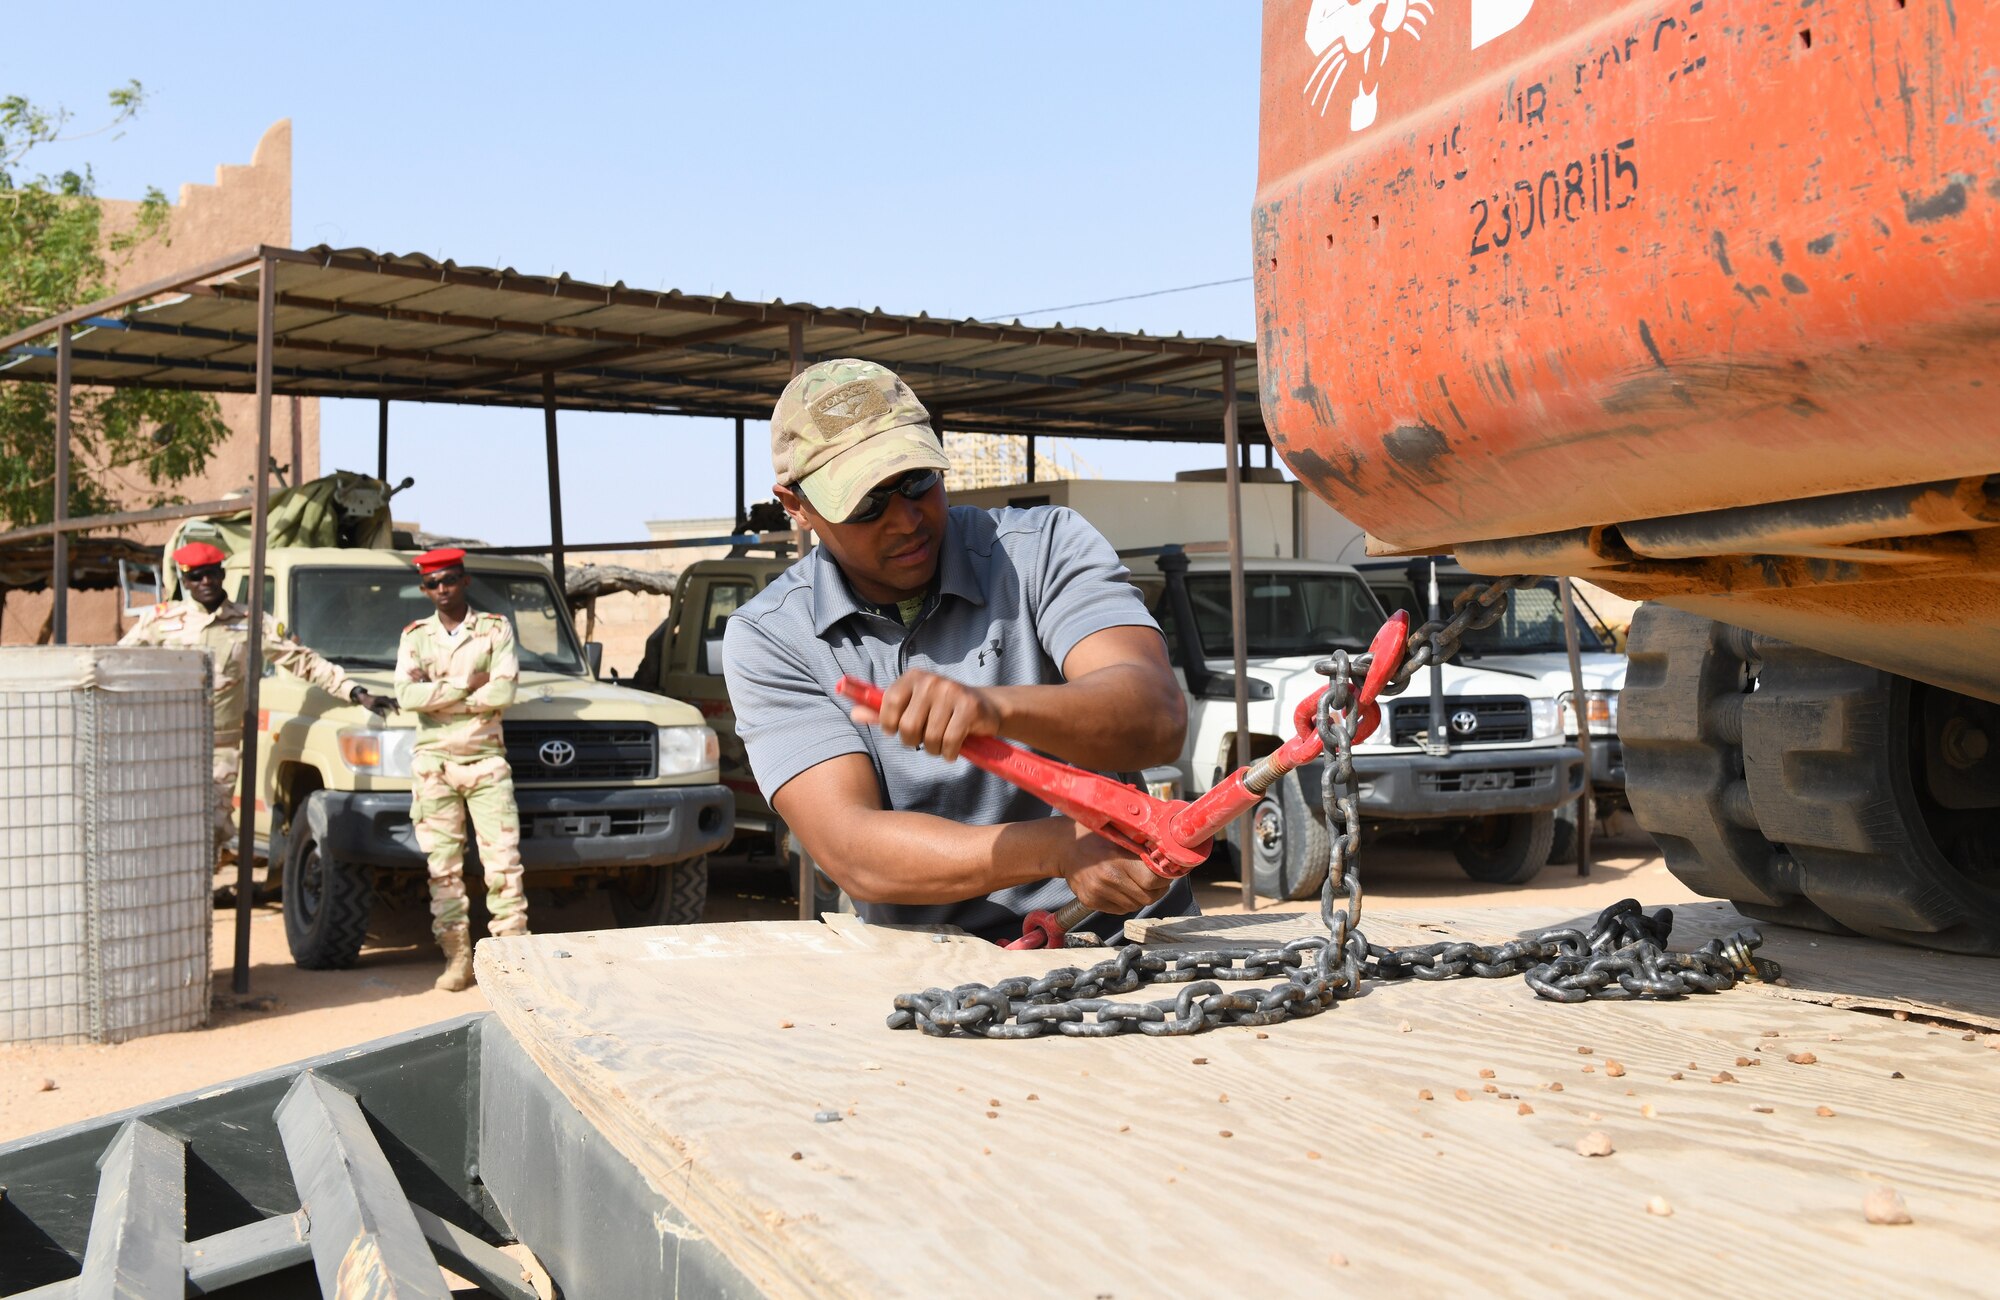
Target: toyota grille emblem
[(557, 753), (1464, 722)]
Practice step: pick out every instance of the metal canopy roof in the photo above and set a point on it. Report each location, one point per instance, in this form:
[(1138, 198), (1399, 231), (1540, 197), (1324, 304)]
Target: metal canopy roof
[(353, 323)]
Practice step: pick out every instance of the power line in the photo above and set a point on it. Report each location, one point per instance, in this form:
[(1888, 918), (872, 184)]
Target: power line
[(1070, 306)]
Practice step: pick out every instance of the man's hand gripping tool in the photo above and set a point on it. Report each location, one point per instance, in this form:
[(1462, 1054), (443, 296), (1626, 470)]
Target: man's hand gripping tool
[(1171, 836)]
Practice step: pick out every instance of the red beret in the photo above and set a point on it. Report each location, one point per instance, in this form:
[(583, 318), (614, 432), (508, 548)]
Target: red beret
[(196, 555), (444, 557)]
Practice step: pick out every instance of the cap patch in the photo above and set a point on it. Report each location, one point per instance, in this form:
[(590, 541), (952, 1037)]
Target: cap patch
[(843, 407)]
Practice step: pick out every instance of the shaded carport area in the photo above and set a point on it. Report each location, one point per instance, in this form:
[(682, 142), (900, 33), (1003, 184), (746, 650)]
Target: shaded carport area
[(361, 325)]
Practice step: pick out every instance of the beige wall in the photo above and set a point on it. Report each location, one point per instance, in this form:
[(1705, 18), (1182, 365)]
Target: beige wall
[(249, 204)]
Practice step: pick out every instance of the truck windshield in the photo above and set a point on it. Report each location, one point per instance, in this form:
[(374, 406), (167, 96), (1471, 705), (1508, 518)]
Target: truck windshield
[(1533, 623), (1287, 613), (356, 616)]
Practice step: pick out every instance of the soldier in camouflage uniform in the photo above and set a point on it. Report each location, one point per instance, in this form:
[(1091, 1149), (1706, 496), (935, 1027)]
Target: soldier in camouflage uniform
[(205, 621), (456, 670)]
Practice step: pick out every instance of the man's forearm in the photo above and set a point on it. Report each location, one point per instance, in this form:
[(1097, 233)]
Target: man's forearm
[(906, 857), (1121, 717)]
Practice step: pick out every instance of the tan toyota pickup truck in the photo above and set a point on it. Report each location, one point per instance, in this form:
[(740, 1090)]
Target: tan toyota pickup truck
[(617, 787)]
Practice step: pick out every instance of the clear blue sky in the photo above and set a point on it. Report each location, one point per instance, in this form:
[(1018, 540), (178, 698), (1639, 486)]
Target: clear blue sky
[(960, 159)]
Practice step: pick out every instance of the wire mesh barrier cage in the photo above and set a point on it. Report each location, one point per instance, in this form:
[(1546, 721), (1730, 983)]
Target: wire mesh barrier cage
[(106, 843)]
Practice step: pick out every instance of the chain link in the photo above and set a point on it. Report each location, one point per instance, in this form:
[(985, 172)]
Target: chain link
[(1622, 955)]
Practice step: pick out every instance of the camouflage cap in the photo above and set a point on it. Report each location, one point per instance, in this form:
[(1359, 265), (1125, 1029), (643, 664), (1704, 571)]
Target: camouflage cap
[(842, 427)]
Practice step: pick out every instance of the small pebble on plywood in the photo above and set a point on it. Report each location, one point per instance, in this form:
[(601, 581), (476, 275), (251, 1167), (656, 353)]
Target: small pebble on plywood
[(46, 1085), (1614, 1069), (1824, 1112), (1524, 1109), (1594, 1143), (1336, 1260), (1723, 1077), (1659, 1205), (1885, 1205), (1802, 1058)]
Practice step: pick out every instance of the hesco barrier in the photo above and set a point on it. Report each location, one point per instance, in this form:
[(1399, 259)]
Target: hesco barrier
[(106, 853)]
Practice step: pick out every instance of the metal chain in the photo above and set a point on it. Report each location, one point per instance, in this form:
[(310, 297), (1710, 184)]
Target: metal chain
[(1622, 955)]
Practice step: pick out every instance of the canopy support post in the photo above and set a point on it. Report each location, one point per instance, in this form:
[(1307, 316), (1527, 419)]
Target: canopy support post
[(742, 498), (253, 662), (1579, 705), (555, 482), (59, 566), (1031, 458), (382, 440), (298, 440), (1233, 455)]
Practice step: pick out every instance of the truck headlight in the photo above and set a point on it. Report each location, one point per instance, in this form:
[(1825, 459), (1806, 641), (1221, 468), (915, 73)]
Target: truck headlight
[(373, 752), (685, 750), (1600, 706), (1543, 719)]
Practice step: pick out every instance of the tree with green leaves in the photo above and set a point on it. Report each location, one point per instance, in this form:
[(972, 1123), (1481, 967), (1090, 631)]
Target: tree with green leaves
[(54, 256)]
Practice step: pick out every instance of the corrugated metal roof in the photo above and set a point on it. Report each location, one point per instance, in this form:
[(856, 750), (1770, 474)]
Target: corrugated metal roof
[(353, 323)]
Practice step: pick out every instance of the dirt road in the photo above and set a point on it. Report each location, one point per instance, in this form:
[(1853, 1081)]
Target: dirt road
[(293, 1014)]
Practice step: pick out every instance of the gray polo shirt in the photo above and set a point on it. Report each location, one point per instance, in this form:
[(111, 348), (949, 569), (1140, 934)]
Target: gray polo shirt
[(1016, 591)]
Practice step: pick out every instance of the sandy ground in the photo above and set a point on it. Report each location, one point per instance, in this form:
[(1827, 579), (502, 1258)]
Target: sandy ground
[(292, 1014)]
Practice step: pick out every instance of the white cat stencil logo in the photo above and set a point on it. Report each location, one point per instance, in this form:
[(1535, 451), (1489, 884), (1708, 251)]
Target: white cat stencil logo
[(1344, 32)]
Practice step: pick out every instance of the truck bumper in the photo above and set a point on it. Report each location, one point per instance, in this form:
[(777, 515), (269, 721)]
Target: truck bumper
[(1468, 783), (1607, 763), (559, 828)]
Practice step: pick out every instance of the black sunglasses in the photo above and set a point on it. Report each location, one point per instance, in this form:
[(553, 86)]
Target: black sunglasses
[(437, 580), (206, 573), (911, 486)]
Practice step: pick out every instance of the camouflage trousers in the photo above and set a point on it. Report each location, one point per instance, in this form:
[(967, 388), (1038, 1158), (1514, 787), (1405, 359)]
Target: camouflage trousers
[(223, 772), (443, 795)]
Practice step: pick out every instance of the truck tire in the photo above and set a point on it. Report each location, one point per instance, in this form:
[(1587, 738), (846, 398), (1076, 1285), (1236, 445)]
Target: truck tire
[(1508, 849), (1887, 793), (1288, 844), (1681, 716), (675, 894), (1562, 847), (326, 901)]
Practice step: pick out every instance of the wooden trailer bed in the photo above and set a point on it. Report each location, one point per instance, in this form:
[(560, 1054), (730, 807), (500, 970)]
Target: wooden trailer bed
[(1302, 1158)]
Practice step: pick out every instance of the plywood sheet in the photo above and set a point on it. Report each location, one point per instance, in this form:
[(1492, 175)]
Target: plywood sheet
[(1297, 1159)]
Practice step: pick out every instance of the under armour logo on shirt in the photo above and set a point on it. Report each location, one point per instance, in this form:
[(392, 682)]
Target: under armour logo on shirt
[(993, 648)]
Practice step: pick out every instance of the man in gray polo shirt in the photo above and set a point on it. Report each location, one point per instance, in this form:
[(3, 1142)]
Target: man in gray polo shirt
[(1011, 623)]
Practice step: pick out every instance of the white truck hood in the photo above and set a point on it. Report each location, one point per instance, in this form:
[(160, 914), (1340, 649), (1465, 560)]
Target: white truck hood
[(1601, 671), (1293, 679)]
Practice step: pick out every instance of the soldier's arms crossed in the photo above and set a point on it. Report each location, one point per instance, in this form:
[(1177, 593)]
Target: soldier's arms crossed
[(494, 688), (415, 690)]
